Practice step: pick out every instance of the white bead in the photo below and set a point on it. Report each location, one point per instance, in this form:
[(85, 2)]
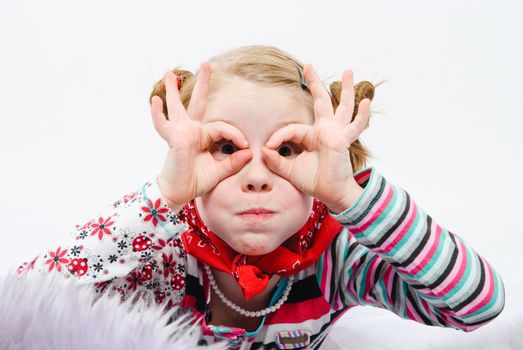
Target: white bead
[(242, 311)]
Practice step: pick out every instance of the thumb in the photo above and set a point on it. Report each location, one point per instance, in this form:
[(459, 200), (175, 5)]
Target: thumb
[(277, 163), (232, 164)]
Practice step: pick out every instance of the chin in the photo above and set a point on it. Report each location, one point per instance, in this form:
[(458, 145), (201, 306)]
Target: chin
[(254, 247)]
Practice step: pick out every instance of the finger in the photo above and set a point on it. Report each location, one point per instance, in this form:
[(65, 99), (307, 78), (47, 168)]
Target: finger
[(322, 101), (345, 109), (232, 164), (159, 120), (277, 164), (292, 132), (198, 102), (358, 125), (175, 109), (221, 130)]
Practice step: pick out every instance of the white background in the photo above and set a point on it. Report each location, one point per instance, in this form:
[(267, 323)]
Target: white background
[(76, 133)]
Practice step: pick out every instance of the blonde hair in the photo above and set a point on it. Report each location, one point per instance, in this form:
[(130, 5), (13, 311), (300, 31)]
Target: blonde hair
[(269, 66)]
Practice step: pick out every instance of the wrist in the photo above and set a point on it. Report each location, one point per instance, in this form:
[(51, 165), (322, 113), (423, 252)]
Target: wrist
[(353, 192), (173, 206)]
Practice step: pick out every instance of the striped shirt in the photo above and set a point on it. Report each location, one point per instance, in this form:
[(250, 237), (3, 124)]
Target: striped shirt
[(389, 254)]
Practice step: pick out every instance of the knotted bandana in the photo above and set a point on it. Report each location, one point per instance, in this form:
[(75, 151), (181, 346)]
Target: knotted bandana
[(253, 272)]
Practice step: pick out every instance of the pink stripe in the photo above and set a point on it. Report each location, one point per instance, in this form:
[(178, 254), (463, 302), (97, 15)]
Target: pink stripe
[(428, 309), (387, 278), (350, 284), (306, 310), (376, 211), (369, 280), (486, 294), (451, 321), (426, 254), (326, 273), (400, 232), (456, 274), (361, 178), (411, 311)]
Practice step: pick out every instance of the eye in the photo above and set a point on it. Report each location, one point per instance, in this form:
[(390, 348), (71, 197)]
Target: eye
[(227, 147), (285, 150), (288, 148)]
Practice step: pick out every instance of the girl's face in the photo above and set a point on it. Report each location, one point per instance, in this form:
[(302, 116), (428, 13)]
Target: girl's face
[(257, 112)]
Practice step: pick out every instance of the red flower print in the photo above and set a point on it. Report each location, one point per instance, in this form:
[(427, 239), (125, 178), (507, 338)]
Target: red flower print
[(78, 267), (160, 296), (134, 280), (56, 259), (86, 225), (168, 265), (102, 286), (177, 282), (31, 265), (101, 227), (147, 272), (128, 197), (155, 213), (161, 243), (27, 266)]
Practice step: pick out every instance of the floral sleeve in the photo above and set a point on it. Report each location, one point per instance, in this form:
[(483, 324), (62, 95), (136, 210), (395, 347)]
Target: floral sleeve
[(131, 246), (398, 258)]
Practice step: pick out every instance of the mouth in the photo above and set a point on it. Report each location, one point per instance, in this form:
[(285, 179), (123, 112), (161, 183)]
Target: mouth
[(257, 214)]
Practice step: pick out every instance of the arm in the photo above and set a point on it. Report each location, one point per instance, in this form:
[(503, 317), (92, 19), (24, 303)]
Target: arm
[(131, 246), (398, 258)]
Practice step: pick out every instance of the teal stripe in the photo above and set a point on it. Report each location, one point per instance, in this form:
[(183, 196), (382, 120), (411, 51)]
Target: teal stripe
[(463, 280), (345, 245), (357, 255), (406, 237), (275, 297), (405, 291), (363, 196), (319, 269), (381, 217), (384, 294), (436, 256), (362, 282), (492, 301)]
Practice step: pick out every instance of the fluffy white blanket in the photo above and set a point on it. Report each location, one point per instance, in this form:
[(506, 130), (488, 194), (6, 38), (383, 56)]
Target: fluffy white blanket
[(43, 312), (40, 311)]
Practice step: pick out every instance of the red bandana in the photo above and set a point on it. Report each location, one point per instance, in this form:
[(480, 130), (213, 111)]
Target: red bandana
[(253, 272)]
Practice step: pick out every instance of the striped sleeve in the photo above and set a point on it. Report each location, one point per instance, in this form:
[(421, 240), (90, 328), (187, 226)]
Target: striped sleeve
[(398, 258)]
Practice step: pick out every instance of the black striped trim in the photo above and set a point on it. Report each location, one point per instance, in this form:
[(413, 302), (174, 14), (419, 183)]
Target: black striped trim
[(394, 227), (304, 289), (418, 249), (193, 288), (477, 291), (418, 309), (371, 204)]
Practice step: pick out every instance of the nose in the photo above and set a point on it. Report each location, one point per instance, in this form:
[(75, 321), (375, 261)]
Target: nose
[(255, 176)]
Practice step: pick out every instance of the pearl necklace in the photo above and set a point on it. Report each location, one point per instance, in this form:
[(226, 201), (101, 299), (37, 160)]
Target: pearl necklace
[(238, 308)]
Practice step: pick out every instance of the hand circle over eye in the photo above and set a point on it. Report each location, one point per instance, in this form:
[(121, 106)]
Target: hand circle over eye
[(323, 170), (190, 170), (288, 148)]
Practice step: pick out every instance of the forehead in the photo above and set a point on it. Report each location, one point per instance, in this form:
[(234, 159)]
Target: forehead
[(241, 103)]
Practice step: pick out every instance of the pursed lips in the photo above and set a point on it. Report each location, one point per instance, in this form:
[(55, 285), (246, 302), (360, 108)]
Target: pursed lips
[(257, 214), (257, 211)]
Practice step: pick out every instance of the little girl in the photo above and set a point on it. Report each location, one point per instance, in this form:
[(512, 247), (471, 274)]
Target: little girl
[(264, 220)]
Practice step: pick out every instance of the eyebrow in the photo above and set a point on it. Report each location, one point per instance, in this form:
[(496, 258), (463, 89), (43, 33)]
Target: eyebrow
[(280, 125)]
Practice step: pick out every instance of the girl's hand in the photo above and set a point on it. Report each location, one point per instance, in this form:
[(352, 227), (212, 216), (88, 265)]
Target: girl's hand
[(189, 169), (323, 170)]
